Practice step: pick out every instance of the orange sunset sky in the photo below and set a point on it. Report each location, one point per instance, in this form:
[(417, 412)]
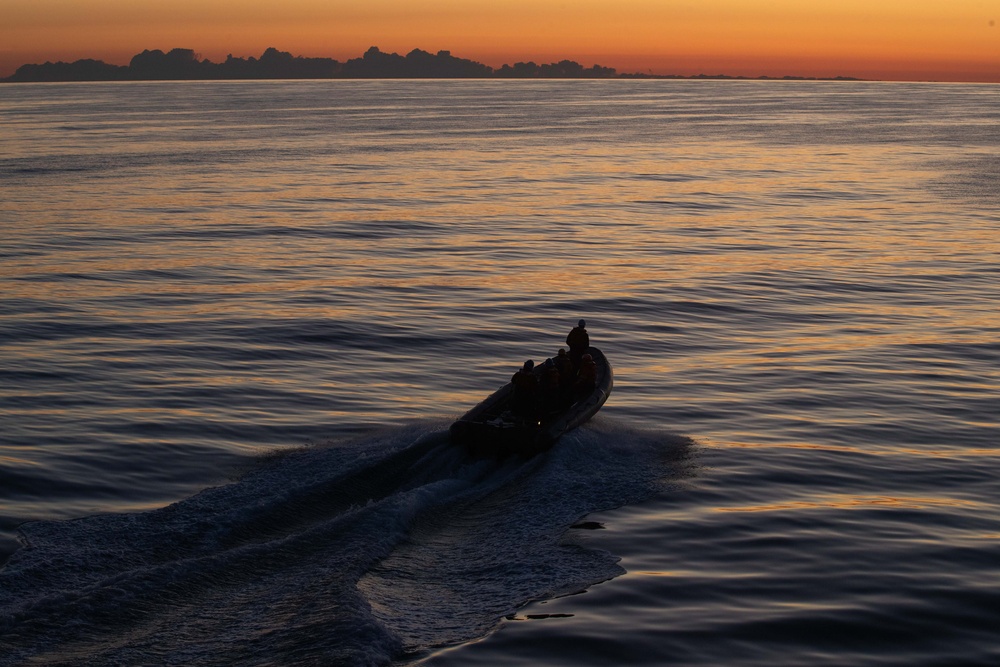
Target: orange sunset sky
[(946, 40)]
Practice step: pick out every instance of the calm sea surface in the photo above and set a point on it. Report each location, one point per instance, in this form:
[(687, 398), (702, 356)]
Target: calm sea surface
[(237, 318)]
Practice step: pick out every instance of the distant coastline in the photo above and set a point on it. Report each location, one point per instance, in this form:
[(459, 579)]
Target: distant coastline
[(186, 65)]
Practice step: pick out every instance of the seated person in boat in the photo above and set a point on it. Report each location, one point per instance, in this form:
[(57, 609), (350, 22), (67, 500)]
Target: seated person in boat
[(567, 374), (525, 395), (586, 379), (550, 396), (579, 341)]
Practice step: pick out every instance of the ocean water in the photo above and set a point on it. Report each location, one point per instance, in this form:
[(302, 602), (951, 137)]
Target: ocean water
[(236, 319)]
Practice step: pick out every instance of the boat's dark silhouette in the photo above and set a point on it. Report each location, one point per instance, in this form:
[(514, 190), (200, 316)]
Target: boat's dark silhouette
[(493, 429)]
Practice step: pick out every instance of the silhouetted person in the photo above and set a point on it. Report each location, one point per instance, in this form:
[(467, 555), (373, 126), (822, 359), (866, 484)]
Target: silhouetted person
[(525, 395), (550, 391), (567, 375), (586, 379), (579, 342)]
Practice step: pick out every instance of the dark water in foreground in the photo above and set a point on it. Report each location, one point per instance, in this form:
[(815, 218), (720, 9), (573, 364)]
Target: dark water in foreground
[(796, 283)]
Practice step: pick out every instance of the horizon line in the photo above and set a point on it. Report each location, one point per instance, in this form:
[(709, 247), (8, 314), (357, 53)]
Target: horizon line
[(100, 70)]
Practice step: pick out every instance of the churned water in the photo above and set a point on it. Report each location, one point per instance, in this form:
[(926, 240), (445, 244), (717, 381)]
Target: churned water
[(237, 318)]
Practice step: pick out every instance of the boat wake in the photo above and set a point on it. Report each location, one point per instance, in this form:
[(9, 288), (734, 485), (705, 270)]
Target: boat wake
[(353, 553)]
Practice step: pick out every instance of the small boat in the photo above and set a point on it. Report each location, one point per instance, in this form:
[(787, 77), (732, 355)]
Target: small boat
[(492, 430)]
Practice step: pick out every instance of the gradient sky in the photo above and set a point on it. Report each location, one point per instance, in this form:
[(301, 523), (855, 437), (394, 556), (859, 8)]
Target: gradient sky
[(948, 40)]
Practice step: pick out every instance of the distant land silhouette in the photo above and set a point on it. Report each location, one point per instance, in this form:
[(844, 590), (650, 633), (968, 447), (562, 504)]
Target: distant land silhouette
[(185, 64)]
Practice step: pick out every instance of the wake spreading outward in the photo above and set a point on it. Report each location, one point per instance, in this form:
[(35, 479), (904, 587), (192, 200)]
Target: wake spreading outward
[(353, 553)]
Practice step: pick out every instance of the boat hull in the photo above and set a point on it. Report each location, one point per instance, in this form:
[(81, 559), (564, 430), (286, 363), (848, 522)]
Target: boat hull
[(488, 431)]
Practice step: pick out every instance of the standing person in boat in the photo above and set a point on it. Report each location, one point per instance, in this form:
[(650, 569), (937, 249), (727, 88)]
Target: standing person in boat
[(586, 379), (525, 396), (579, 342)]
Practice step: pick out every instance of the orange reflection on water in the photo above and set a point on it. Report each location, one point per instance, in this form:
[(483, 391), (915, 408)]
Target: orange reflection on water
[(854, 502), (872, 450), (15, 461), (797, 445)]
